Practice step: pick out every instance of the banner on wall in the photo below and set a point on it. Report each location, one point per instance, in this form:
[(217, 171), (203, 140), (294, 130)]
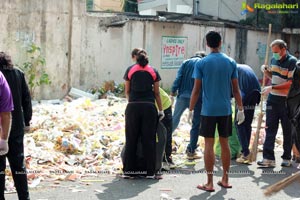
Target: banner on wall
[(174, 51)]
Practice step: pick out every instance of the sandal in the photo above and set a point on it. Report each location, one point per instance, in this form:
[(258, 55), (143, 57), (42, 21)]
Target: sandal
[(126, 176), (155, 177), (223, 185), (205, 188)]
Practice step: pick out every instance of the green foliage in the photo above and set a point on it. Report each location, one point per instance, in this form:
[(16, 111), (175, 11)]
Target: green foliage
[(109, 87), (33, 68)]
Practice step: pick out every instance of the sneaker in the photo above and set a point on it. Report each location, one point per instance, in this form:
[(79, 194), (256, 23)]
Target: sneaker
[(286, 163), (193, 156), (266, 163), (243, 159)]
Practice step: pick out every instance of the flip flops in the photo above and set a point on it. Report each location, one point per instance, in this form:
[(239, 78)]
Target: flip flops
[(155, 177), (223, 185), (205, 188), (126, 176)]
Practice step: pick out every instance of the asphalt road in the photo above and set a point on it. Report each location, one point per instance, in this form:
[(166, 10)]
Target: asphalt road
[(248, 182)]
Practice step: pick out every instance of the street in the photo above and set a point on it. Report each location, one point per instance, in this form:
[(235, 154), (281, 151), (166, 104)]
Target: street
[(248, 182)]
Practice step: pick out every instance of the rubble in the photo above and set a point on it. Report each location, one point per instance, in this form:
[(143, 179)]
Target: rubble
[(83, 138)]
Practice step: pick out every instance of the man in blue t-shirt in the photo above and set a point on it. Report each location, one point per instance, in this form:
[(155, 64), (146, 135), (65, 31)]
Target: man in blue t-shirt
[(217, 75), (250, 92)]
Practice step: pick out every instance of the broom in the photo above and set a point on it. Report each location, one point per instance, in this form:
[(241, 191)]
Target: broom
[(282, 184), (253, 151)]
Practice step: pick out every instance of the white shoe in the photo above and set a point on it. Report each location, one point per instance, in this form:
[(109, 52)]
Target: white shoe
[(266, 163)]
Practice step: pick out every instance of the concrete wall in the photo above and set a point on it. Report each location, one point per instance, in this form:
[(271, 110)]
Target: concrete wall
[(256, 49), (105, 52), (45, 23), (83, 50)]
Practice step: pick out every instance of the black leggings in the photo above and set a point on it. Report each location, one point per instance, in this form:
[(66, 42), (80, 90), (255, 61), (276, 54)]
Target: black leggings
[(15, 157), (140, 121), (167, 122)]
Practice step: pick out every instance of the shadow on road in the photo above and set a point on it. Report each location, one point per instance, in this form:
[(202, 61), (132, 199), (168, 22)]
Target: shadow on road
[(124, 188), (271, 176)]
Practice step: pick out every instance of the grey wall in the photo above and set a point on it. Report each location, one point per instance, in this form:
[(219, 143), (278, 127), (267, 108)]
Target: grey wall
[(83, 50)]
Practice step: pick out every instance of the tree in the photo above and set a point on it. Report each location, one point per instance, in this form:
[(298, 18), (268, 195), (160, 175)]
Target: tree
[(34, 68)]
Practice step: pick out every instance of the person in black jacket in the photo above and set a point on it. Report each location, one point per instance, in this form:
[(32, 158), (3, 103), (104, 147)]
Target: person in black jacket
[(21, 116), (293, 111)]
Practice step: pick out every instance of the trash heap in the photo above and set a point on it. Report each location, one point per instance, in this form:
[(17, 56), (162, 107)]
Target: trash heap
[(82, 134), (80, 138)]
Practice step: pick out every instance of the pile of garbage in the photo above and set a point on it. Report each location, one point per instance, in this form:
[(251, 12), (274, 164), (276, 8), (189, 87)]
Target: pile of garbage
[(81, 133), (69, 140), (80, 137)]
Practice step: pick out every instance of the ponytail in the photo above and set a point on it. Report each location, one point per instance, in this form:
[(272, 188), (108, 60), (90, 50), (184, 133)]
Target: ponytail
[(142, 58)]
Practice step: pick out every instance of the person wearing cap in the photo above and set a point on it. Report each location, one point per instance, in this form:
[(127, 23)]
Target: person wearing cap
[(183, 86), (281, 74)]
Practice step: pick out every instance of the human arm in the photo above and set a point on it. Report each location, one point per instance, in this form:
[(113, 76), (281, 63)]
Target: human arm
[(283, 86), (267, 71), (195, 94), (127, 83), (194, 99), (161, 113), (240, 117), (178, 80), (236, 93), (286, 85), (6, 124), (127, 89), (157, 95), (268, 74), (26, 103)]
